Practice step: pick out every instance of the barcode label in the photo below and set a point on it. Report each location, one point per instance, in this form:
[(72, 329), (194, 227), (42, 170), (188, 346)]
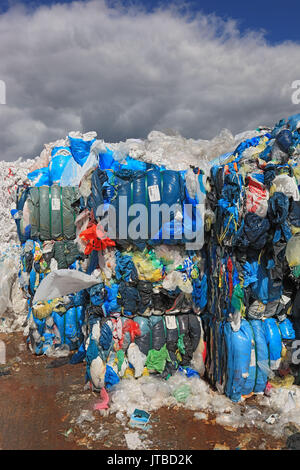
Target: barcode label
[(253, 358), (154, 194), (55, 204), (170, 322)]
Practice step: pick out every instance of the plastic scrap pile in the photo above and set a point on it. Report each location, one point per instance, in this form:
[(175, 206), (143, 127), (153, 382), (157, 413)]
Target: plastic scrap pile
[(212, 292), (12, 303), (253, 253)]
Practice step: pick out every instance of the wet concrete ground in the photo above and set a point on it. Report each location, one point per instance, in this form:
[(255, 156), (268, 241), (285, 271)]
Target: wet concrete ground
[(39, 408)]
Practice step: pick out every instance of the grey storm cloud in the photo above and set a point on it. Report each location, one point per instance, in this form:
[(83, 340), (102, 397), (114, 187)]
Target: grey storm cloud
[(84, 66)]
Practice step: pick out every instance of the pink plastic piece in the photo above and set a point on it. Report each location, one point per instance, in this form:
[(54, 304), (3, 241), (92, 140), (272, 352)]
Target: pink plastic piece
[(102, 405)]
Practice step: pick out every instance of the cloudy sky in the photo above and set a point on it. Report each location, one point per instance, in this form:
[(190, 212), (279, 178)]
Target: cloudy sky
[(123, 68)]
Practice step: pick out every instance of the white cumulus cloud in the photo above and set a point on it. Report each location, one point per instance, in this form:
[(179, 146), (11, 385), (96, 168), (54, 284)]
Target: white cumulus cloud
[(85, 66)]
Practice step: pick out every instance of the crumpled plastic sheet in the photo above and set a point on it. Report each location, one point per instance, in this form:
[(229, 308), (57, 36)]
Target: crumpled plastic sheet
[(85, 415), (133, 441), (152, 393), (284, 402), (176, 152), (13, 304)]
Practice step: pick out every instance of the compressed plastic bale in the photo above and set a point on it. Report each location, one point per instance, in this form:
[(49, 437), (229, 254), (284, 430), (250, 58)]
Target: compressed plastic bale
[(51, 213), (273, 338), (239, 348), (262, 356), (150, 188)]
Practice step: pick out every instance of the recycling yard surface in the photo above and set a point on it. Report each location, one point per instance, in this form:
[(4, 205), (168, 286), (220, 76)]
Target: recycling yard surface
[(112, 343), (47, 408)]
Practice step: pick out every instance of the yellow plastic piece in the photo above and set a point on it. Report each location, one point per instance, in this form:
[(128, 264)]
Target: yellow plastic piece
[(292, 252), (145, 269), (42, 310), (128, 373), (284, 382)]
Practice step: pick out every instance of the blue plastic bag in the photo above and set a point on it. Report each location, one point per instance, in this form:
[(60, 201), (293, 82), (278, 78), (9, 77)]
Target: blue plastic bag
[(80, 149), (273, 338), (40, 177), (286, 329), (57, 166)]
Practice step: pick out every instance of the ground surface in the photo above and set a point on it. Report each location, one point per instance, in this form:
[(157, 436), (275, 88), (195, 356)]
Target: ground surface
[(39, 407)]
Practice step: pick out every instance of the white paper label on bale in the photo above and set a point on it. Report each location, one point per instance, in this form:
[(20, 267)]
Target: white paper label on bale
[(55, 204), (284, 299), (154, 194), (170, 322), (253, 358)]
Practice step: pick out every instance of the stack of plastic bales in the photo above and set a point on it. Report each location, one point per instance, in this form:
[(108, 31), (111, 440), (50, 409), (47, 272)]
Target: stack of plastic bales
[(144, 316), (45, 216), (253, 260), (12, 304), (206, 287), (142, 313)]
